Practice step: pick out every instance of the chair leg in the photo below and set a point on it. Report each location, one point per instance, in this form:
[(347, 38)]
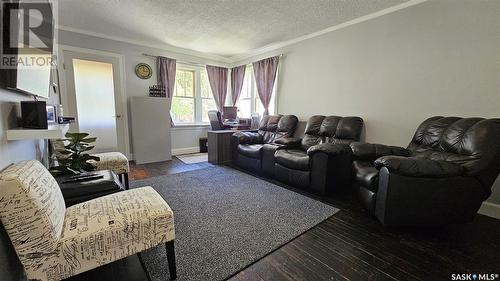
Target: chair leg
[(171, 259), (125, 176)]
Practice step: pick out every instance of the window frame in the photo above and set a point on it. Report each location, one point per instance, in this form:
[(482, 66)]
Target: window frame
[(198, 99)]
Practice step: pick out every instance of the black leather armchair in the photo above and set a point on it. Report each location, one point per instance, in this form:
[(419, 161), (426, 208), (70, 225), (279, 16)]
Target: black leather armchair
[(442, 177), (321, 160), (254, 151)]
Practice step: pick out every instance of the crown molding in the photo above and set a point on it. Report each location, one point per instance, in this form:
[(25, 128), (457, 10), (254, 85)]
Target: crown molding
[(275, 46), (165, 47)]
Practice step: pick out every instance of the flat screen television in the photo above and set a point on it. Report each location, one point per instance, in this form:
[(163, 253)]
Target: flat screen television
[(27, 52)]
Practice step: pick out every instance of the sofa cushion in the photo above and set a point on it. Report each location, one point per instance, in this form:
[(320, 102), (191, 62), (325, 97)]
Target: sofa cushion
[(366, 175), (293, 158), (250, 150)]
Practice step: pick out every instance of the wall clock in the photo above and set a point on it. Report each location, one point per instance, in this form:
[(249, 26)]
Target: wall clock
[(143, 71)]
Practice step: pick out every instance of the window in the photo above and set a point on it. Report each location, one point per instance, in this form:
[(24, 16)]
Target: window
[(207, 99), (245, 100), (184, 97), (249, 101), (192, 97)]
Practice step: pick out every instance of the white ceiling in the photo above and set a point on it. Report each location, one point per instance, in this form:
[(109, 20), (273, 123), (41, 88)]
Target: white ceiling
[(222, 27)]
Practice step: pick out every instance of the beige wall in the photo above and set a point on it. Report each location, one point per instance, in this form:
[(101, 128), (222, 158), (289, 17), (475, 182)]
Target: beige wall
[(434, 58)]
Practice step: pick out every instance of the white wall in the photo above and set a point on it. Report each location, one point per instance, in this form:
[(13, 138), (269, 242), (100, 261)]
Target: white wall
[(14, 151), (187, 139), (434, 58), (134, 86)]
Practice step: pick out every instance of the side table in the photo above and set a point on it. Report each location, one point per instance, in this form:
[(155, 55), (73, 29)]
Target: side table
[(219, 146)]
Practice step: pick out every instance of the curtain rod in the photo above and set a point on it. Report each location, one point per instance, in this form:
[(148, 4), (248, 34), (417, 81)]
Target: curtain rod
[(188, 62)]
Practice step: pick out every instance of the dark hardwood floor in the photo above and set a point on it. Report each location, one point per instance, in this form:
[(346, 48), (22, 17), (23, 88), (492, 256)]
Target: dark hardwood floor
[(163, 168), (351, 245)]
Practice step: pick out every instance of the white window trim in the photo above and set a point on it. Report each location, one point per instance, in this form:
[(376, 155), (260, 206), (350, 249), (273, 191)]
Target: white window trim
[(197, 97)]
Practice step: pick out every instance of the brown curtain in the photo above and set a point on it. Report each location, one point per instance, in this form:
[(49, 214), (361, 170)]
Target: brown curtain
[(165, 71), (265, 75), (217, 76), (237, 78)]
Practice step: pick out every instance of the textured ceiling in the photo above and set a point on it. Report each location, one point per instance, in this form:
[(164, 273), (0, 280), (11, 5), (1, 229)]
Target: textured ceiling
[(222, 27)]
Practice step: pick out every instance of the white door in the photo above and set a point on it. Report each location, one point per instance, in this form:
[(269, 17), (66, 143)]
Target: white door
[(94, 97)]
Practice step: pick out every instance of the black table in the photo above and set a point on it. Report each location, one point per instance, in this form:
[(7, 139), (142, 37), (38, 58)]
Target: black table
[(81, 191)]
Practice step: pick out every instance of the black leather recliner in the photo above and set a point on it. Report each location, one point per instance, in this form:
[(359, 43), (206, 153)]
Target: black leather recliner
[(442, 177), (321, 160), (248, 147)]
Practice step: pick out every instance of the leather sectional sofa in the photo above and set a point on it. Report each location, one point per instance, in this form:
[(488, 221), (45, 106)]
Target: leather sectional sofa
[(318, 162), (321, 159), (249, 147), (442, 177)]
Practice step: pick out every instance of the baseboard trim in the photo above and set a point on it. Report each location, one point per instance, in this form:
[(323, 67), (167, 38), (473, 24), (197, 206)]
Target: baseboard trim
[(490, 210), (185, 150)]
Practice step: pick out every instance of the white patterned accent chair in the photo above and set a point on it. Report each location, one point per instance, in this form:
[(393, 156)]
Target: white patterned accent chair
[(54, 243), (114, 161)]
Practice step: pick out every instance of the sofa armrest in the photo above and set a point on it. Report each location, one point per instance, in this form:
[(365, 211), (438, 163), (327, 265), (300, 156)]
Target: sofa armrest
[(418, 167), (370, 151), (330, 167), (426, 201), (247, 138), (289, 142), (330, 149)]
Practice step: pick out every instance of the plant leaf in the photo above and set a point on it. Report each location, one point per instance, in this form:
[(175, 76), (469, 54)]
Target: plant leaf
[(88, 148), (88, 140)]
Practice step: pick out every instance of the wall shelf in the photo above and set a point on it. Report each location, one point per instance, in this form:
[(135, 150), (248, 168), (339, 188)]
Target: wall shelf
[(55, 131)]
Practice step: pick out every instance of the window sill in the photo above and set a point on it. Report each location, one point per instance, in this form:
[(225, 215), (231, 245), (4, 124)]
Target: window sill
[(191, 126)]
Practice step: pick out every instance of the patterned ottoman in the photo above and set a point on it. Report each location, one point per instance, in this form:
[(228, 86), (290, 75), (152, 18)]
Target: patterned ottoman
[(116, 162)]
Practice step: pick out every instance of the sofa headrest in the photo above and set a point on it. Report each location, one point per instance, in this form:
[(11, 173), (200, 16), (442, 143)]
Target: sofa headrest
[(335, 127), (278, 123), (475, 140)]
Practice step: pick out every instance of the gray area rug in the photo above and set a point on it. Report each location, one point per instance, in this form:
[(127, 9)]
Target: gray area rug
[(225, 220)]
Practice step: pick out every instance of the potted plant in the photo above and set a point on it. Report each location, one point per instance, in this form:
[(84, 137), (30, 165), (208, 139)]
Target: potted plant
[(73, 159)]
